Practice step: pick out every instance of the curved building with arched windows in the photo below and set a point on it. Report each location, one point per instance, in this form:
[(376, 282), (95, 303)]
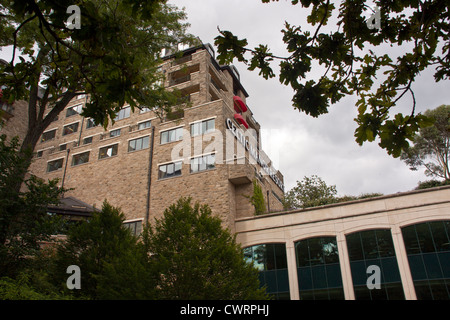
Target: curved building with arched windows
[(391, 247)]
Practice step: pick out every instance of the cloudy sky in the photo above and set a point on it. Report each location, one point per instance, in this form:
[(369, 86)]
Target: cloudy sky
[(298, 144)]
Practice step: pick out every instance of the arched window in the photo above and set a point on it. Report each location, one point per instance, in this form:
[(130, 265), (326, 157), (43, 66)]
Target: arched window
[(270, 259), (374, 248), (428, 248), (318, 269)]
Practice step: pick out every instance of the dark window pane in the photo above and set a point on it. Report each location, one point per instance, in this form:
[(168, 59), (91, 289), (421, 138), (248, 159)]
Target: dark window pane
[(425, 239), (410, 239), (355, 250)]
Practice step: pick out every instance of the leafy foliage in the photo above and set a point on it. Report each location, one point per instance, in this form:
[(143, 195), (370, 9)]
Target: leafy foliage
[(431, 145), (24, 222), (257, 199), (113, 57), (310, 192), (196, 258), (313, 191), (351, 65), (112, 262)]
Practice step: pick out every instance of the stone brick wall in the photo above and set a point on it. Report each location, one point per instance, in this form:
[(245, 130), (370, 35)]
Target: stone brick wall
[(122, 178)]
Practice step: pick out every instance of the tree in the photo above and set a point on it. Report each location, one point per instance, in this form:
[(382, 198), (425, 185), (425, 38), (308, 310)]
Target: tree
[(257, 199), (196, 258), (24, 222), (431, 145), (351, 63), (310, 192), (113, 264), (113, 57)]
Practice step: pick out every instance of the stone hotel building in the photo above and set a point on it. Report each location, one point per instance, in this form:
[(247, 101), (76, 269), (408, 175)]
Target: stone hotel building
[(208, 149), (389, 247)]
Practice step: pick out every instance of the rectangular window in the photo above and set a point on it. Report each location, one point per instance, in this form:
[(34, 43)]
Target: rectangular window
[(80, 158), (49, 135), (114, 133), (138, 144), (69, 129), (74, 110), (54, 165), (109, 151), (144, 125), (87, 140), (145, 109), (62, 147), (90, 123), (123, 113), (169, 170), (171, 135), (203, 163), (202, 127)]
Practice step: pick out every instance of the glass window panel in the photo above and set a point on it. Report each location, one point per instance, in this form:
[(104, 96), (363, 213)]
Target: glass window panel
[(280, 256), (432, 266), (355, 250), (131, 145), (410, 239), (439, 290), (369, 244), (334, 278), (384, 243), (164, 137), (178, 166), (138, 144), (319, 277), (145, 142), (439, 234), (302, 254), (330, 251), (444, 259), (315, 251), (270, 257), (425, 239), (304, 278), (390, 272), (282, 280), (423, 290), (259, 253), (417, 267)]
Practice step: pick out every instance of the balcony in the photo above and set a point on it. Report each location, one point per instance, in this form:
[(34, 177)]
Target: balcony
[(239, 174)]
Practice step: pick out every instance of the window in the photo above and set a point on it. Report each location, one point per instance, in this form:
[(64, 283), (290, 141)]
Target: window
[(90, 123), (374, 247), (114, 133), (144, 125), (87, 140), (318, 269), (203, 163), (428, 249), (171, 135), (80, 158), (123, 113), (54, 165), (145, 109), (108, 151), (271, 261), (138, 144), (169, 170), (62, 147), (74, 110), (202, 127), (69, 129), (49, 135), (134, 226)]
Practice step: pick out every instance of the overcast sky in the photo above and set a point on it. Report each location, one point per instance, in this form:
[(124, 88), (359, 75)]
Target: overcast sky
[(298, 144)]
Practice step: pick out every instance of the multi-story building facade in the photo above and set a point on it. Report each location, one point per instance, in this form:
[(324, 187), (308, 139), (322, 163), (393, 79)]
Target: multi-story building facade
[(208, 149)]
